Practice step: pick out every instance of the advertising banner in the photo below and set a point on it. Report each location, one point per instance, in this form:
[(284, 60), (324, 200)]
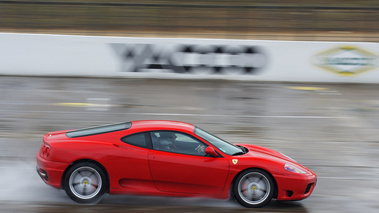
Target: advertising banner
[(61, 55)]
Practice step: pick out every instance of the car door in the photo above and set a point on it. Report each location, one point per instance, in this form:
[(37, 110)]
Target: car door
[(183, 167)]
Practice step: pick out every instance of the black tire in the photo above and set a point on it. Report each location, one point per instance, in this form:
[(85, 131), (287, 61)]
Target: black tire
[(85, 182), (253, 188)]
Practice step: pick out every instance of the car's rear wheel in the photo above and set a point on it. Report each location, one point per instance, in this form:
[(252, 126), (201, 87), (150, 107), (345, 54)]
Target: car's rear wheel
[(253, 188), (85, 183)]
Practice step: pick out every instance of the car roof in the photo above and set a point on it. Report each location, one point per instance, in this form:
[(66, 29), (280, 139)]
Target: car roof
[(162, 125)]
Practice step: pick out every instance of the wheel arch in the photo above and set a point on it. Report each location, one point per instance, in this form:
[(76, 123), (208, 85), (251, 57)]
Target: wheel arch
[(273, 179), (89, 161)]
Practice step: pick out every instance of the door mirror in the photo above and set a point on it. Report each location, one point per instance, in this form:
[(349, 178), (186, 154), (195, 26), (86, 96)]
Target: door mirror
[(210, 151)]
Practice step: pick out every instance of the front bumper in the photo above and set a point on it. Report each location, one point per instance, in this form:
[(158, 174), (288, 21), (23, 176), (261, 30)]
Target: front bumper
[(295, 188), (50, 172)]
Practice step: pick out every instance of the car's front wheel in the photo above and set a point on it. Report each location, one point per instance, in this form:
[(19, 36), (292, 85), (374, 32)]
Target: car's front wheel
[(85, 183), (253, 188)]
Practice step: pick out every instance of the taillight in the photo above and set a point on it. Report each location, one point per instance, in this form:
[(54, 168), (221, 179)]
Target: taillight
[(45, 150)]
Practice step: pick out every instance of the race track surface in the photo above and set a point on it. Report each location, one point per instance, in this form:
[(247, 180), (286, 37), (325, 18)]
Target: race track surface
[(330, 128)]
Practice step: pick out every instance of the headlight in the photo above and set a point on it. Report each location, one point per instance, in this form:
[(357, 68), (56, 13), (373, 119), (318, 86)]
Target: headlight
[(294, 169)]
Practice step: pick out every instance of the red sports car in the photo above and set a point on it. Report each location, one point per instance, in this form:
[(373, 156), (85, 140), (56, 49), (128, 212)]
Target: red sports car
[(168, 158)]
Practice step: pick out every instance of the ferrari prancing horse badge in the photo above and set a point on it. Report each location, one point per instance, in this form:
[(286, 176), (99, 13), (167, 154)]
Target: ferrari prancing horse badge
[(235, 161)]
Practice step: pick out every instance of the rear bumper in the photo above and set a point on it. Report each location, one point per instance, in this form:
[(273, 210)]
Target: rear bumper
[(295, 188), (50, 172)]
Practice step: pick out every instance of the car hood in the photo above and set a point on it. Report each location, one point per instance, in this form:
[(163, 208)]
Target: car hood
[(266, 151)]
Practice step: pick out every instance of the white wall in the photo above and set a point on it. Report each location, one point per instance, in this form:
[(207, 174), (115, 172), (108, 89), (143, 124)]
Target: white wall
[(60, 55)]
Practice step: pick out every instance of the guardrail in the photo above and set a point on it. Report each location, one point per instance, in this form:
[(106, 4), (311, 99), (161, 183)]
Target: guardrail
[(190, 19)]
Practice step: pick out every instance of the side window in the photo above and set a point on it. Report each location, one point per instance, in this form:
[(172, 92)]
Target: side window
[(138, 139), (177, 142)]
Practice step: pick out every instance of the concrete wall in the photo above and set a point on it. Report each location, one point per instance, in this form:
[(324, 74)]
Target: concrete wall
[(61, 55)]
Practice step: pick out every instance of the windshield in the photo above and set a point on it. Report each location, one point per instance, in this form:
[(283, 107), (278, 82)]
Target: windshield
[(222, 145)]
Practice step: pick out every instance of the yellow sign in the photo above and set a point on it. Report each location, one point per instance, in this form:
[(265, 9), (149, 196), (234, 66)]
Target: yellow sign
[(235, 161), (346, 60), (308, 88)]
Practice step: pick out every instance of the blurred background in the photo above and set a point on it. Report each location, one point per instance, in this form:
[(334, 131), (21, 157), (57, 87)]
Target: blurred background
[(340, 20), (330, 128)]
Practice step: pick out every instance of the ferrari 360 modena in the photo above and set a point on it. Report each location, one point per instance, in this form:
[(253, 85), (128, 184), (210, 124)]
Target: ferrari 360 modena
[(167, 158)]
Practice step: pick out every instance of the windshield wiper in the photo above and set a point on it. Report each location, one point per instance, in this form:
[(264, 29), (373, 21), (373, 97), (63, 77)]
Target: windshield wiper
[(238, 153), (243, 150)]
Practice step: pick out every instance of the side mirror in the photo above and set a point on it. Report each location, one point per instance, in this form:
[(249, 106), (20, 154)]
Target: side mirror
[(210, 151)]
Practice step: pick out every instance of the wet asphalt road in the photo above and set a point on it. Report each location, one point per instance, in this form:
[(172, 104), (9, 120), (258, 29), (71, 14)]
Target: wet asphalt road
[(330, 128)]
